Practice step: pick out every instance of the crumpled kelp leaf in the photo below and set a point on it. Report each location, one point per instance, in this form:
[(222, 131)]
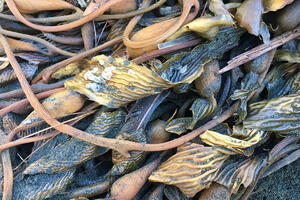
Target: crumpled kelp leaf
[(191, 169), (122, 164), (8, 75), (208, 86), (280, 115), (251, 81), (208, 26), (60, 104), (288, 56), (234, 174), (244, 145), (181, 65), (278, 85), (42, 186), (202, 108), (74, 152), (114, 82), (273, 5), (179, 125)]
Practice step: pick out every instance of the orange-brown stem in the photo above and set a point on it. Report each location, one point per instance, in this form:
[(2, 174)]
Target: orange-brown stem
[(8, 176), (46, 136), (37, 88), (64, 39), (51, 48), (13, 8)]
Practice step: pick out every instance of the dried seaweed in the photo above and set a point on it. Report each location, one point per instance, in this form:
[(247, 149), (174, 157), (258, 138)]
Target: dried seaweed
[(74, 152), (280, 115), (235, 174), (191, 169)]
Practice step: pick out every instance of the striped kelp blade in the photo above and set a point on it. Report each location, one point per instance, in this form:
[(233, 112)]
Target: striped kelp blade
[(42, 186), (280, 115), (278, 84), (240, 146), (123, 165), (74, 151), (244, 172), (8, 75), (191, 169), (114, 82)]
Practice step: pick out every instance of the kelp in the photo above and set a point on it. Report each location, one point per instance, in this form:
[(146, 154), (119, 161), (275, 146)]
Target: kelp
[(288, 56), (191, 169), (42, 186), (114, 82), (7, 75), (71, 69), (74, 152), (249, 15), (59, 105), (174, 86), (278, 84), (235, 174), (257, 70), (122, 164), (251, 139), (280, 115), (207, 26)]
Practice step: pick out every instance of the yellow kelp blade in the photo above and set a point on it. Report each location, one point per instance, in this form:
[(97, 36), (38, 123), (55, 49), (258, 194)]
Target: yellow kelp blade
[(191, 169), (114, 82)]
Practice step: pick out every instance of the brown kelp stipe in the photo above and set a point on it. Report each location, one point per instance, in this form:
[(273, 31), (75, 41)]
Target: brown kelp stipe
[(13, 8)]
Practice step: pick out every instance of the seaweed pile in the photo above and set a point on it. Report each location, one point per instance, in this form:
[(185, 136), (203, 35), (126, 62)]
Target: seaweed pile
[(126, 99)]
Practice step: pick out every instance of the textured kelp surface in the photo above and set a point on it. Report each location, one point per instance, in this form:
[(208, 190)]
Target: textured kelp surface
[(164, 100)]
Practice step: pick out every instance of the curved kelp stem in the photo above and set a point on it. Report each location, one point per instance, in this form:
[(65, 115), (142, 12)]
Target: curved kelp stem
[(13, 8), (51, 48), (187, 6), (78, 14)]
